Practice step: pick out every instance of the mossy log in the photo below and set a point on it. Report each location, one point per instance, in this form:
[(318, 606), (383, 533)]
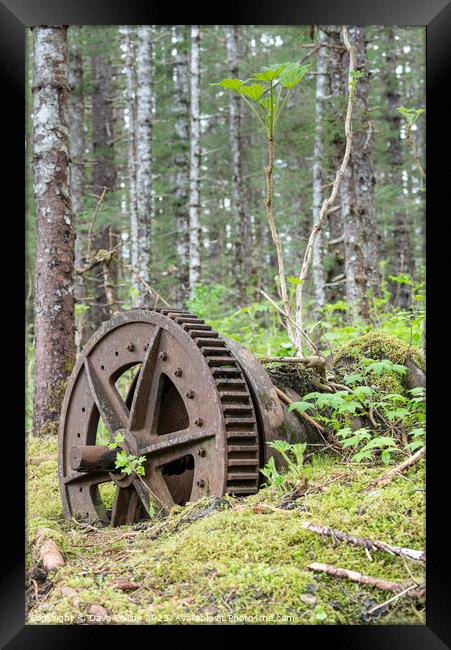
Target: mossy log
[(378, 346)]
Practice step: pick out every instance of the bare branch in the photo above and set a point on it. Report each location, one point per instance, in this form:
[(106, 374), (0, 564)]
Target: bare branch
[(328, 203)]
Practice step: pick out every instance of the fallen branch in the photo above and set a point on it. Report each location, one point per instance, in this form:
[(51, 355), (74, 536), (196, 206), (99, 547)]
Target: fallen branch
[(283, 359), (49, 552), (311, 362), (304, 416), (371, 545), (396, 470), (363, 579)]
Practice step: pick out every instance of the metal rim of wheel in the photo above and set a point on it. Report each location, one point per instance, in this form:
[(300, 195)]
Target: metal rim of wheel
[(191, 410)]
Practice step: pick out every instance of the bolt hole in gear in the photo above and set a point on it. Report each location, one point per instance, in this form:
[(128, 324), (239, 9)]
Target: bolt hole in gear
[(199, 407)]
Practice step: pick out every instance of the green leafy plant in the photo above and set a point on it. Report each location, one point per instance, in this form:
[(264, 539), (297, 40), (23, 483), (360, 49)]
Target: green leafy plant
[(394, 422), (411, 115), (278, 80), (129, 464), (293, 454), (267, 99)]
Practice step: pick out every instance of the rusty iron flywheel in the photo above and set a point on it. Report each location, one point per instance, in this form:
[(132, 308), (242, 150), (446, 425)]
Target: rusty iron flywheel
[(198, 406)]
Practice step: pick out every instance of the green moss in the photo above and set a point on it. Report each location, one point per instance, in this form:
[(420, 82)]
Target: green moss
[(377, 346), (243, 563)]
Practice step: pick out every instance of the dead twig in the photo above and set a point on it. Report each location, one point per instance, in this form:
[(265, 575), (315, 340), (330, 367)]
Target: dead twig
[(292, 321), (390, 600), (388, 476), (363, 579), (149, 288), (371, 545)]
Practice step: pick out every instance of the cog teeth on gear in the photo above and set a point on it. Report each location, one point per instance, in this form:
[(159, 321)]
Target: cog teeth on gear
[(237, 406)]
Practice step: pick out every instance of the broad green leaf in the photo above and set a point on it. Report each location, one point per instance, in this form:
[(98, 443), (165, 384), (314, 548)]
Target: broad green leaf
[(352, 379), (416, 444), (379, 443), (300, 406), (254, 92), (293, 280), (231, 84), (385, 456), (363, 390), (271, 72), (293, 74)]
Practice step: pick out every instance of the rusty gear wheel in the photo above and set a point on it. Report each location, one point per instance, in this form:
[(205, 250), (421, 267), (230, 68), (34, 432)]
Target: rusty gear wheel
[(199, 408)]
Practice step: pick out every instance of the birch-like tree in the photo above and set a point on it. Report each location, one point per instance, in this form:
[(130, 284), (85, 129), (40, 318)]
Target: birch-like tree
[(54, 297), (355, 202), (144, 123), (130, 76), (195, 157), (318, 153), (77, 176), (240, 238), (181, 157), (336, 109)]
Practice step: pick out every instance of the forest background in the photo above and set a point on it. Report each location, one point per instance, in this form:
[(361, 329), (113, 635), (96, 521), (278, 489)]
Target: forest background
[(150, 183), (167, 185)]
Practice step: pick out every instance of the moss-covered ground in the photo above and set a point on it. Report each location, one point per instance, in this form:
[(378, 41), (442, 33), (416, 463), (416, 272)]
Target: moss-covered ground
[(242, 563)]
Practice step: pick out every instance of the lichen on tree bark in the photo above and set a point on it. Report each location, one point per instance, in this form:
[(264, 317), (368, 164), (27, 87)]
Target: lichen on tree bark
[(54, 295)]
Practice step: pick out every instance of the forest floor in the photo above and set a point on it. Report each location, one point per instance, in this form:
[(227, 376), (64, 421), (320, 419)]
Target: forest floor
[(242, 562)]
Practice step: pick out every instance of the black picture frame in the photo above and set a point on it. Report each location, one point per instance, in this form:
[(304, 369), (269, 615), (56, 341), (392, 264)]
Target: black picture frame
[(435, 15)]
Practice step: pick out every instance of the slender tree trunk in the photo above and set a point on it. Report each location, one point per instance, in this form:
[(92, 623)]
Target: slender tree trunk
[(318, 153), (195, 157), (181, 159), (336, 110), (54, 297), (403, 262), (77, 177), (130, 74), (362, 161), (356, 201), (144, 123), (104, 174), (236, 150)]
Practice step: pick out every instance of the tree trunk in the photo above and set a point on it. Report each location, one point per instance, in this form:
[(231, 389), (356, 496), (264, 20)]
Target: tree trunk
[(336, 111), (362, 160), (355, 201), (54, 298), (403, 262), (144, 123), (232, 33), (195, 156), (130, 74), (104, 174), (77, 177), (181, 159), (318, 152)]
